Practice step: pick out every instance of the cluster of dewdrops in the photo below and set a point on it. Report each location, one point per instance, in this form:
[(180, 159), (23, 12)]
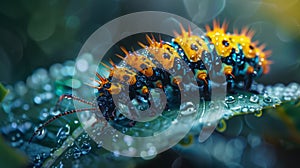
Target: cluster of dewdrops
[(30, 104)]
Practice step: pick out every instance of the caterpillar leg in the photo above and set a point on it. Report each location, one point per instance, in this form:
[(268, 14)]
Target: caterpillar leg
[(252, 73), (70, 96), (230, 84), (230, 78)]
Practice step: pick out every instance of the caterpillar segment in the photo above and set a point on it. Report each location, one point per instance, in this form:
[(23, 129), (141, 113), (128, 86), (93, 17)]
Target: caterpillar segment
[(167, 60), (191, 48), (228, 52), (173, 65), (256, 63), (237, 50), (221, 41), (144, 66), (247, 57), (114, 89), (244, 39)]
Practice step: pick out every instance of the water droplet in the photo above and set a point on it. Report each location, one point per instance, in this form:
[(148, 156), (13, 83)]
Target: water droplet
[(85, 136), (85, 148), (17, 103), (46, 96), (63, 133), (40, 76), (229, 99), (128, 140), (14, 125), (267, 98), (254, 99), (60, 165), (25, 127), (68, 153), (42, 133), (26, 107), (76, 153), (115, 138), (287, 98), (55, 71), (116, 153), (21, 88), (70, 144), (293, 86), (47, 87), (67, 70), (16, 139), (251, 109), (187, 108), (99, 146), (245, 109), (37, 100), (37, 161), (240, 96), (124, 130), (54, 112), (82, 65), (44, 114), (258, 113)]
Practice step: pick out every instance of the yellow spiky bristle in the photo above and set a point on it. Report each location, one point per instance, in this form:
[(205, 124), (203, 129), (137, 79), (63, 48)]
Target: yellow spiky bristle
[(217, 31), (263, 55)]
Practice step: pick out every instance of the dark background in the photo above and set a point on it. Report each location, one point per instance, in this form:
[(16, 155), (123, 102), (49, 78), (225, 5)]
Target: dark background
[(39, 33)]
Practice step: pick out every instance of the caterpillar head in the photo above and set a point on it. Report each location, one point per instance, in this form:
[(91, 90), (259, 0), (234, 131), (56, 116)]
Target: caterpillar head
[(139, 62), (192, 45), (115, 88), (220, 39), (162, 52), (103, 83)]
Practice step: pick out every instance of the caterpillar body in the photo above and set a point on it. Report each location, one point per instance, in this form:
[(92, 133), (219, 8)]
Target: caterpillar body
[(163, 65)]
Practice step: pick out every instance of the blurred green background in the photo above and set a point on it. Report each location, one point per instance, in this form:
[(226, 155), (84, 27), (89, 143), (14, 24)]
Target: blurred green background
[(39, 33)]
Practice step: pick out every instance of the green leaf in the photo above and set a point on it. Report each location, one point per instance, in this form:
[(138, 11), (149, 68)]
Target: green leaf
[(3, 92), (11, 158)]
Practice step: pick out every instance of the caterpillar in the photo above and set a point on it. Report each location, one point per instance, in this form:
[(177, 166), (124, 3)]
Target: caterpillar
[(164, 64)]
